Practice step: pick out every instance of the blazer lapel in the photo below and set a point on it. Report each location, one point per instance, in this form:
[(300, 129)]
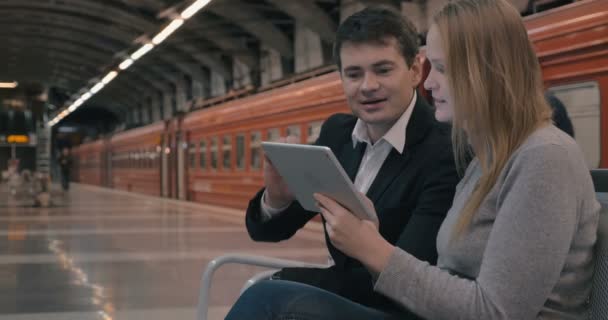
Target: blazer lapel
[(389, 171), (421, 121), (351, 159)]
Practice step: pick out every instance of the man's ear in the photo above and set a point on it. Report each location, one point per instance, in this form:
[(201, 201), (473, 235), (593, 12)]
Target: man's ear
[(416, 69)]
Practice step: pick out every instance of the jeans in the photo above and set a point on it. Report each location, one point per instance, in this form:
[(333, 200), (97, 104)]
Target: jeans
[(286, 300)]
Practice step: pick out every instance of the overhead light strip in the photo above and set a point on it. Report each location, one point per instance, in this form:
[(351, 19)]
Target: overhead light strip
[(142, 51), (186, 14), (9, 85), (194, 8), (161, 36), (97, 87), (109, 77), (125, 64)]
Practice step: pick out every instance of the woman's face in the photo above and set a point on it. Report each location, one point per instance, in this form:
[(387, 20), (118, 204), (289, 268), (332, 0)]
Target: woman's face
[(437, 80)]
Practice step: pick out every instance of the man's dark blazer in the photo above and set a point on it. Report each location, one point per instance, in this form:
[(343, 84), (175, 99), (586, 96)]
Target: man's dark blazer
[(412, 194)]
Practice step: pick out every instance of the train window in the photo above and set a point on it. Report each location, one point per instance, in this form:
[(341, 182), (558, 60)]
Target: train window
[(136, 161), (314, 129), (192, 155), (157, 156), (203, 155), (226, 152), (295, 131), (274, 134), (214, 143), (151, 157), (240, 151), (582, 101), (256, 150)]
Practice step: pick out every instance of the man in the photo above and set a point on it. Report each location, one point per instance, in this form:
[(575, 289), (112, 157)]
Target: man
[(65, 164), (560, 114), (391, 147)]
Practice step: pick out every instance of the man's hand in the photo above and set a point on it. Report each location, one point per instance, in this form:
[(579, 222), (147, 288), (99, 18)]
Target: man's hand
[(278, 194)]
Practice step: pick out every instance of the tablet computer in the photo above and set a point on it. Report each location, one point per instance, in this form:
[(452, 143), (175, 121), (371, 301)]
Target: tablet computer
[(314, 169)]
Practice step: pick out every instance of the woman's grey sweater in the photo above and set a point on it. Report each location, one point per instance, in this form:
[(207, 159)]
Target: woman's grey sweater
[(528, 253)]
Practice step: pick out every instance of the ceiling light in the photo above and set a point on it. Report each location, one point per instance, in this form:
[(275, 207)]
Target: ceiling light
[(194, 8), (109, 77), (9, 85), (161, 36), (141, 51), (97, 87), (125, 64), (86, 96)]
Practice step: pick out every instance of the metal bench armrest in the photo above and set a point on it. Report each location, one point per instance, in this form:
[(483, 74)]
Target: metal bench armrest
[(260, 261)]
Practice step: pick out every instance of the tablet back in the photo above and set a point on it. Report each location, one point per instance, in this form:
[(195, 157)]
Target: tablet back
[(314, 169)]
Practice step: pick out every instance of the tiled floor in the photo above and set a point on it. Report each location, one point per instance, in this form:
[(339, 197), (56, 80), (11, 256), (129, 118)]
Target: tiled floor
[(104, 254)]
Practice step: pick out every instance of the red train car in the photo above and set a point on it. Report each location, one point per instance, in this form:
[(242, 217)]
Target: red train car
[(90, 163), (135, 159), (572, 45), (224, 157), (213, 155)]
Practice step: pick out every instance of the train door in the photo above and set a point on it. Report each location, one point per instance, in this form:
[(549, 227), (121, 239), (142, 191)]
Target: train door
[(172, 175), (180, 179), (191, 164), (164, 165), (106, 165)]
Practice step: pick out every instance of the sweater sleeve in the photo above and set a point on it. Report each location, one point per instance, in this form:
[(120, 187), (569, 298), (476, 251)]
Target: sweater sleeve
[(526, 250)]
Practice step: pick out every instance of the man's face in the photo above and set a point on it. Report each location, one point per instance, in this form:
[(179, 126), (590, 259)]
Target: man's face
[(377, 81)]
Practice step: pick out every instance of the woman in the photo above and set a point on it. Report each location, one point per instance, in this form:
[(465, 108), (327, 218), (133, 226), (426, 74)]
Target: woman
[(518, 240)]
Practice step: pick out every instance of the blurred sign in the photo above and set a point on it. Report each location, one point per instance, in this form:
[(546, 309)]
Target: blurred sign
[(18, 138)]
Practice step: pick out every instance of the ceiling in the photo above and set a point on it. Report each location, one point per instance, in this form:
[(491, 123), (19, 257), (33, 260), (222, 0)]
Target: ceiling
[(65, 45)]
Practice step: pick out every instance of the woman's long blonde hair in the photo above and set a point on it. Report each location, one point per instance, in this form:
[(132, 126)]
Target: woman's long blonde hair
[(496, 85)]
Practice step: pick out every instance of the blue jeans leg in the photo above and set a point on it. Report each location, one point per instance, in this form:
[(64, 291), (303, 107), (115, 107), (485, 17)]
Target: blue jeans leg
[(286, 300)]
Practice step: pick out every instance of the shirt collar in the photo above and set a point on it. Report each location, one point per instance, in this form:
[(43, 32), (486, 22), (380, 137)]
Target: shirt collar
[(395, 136)]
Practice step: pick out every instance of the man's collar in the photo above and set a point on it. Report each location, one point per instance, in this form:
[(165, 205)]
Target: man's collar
[(395, 136)]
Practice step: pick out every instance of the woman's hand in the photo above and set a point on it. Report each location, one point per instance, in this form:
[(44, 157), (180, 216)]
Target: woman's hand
[(357, 238)]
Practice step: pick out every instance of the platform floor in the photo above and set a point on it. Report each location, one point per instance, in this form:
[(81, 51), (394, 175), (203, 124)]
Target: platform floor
[(105, 254)]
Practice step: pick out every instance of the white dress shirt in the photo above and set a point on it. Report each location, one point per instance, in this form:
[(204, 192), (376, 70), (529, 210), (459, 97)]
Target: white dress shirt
[(373, 158)]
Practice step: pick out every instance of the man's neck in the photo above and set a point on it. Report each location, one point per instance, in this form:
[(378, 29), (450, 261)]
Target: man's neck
[(376, 131)]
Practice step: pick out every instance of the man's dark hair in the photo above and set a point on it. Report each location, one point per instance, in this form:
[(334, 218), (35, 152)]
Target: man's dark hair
[(560, 114), (377, 25)]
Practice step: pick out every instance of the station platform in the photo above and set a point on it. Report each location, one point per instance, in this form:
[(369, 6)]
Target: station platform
[(104, 254)]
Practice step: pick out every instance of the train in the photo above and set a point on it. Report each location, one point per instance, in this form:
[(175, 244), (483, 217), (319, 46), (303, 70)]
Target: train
[(213, 155)]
